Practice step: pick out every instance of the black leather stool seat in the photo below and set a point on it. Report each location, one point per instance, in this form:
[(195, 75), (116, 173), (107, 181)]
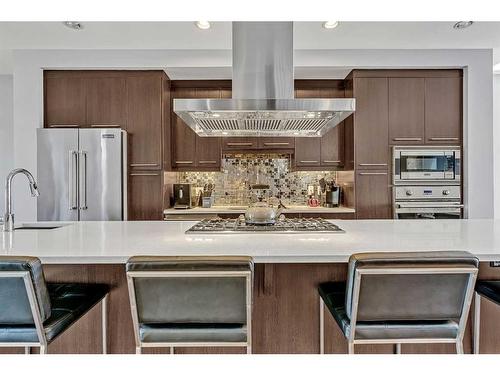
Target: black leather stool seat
[(489, 289), (193, 332), (334, 296), (69, 302), (192, 263)]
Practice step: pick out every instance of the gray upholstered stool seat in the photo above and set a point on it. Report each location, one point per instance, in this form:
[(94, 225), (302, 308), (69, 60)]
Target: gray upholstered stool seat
[(193, 332), (69, 302), (489, 289), (191, 301), (34, 313), (413, 297), (333, 294)]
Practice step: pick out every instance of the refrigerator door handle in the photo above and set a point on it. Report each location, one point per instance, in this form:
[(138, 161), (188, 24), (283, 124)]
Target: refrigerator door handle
[(73, 180), (83, 180)]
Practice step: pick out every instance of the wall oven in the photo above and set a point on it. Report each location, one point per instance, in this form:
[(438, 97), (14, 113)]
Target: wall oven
[(427, 202), (426, 165)]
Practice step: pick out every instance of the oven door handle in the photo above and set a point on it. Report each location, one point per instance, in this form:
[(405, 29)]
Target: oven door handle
[(410, 205)]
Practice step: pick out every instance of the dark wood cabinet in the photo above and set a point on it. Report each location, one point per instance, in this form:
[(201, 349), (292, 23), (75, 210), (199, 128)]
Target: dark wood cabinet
[(443, 110), (332, 147), (307, 152), (106, 99), (208, 152), (371, 123), (145, 195), (373, 195), (406, 110), (276, 143), (64, 100), (239, 143), (144, 123)]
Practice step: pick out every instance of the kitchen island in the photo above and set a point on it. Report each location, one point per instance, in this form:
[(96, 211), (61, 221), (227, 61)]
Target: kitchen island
[(287, 271)]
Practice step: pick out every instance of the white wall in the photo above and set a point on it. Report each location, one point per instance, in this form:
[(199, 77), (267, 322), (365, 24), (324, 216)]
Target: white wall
[(478, 97), (6, 133), (496, 137)]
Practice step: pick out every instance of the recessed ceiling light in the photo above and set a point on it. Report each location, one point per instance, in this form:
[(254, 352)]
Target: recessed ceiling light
[(75, 25), (202, 25), (330, 24), (462, 25)]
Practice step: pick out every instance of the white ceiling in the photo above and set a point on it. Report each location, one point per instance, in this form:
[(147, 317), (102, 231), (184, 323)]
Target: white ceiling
[(184, 35)]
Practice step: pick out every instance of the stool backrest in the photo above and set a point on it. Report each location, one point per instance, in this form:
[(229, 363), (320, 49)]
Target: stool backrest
[(22, 287), (410, 286), (189, 289)]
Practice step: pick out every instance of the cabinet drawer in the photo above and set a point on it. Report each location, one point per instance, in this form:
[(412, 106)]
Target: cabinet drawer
[(276, 142), (239, 143)]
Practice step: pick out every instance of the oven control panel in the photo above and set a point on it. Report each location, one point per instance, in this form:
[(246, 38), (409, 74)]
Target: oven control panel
[(427, 192)]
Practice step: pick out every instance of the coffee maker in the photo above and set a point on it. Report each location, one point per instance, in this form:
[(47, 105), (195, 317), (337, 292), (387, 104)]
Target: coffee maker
[(332, 197), (182, 196)]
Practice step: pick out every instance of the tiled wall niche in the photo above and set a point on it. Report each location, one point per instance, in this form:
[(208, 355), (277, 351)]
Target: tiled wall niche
[(238, 173)]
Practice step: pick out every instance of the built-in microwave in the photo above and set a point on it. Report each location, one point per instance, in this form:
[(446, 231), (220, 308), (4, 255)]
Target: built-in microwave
[(426, 164)]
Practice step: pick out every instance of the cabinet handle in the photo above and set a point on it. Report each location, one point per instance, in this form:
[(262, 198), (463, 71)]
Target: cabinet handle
[(239, 144), (104, 126), (308, 161), (444, 139), (207, 162), (332, 161), (64, 126), (373, 173), (144, 165), (184, 162), (144, 174), (373, 164), (409, 139), (276, 143)]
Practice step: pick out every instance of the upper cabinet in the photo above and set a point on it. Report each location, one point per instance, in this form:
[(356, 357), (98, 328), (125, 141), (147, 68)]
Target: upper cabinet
[(106, 101), (144, 125), (406, 110), (64, 100), (371, 123), (443, 110)]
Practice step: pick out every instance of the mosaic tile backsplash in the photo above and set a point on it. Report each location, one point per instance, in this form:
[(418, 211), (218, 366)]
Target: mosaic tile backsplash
[(232, 184)]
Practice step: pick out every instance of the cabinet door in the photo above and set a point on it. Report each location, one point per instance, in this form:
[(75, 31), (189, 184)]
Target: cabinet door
[(144, 127), (406, 111), (443, 110), (106, 101), (332, 147), (145, 195), (307, 151), (373, 195), (239, 143), (208, 149), (276, 142), (371, 124), (64, 100)]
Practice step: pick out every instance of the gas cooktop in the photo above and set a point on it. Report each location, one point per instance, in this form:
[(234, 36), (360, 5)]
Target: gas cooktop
[(285, 226)]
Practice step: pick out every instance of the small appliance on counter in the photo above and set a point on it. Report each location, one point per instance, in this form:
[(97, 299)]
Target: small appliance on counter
[(331, 192), (182, 196)]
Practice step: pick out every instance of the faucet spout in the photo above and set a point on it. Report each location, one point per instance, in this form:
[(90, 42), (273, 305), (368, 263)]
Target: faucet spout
[(8, 225)]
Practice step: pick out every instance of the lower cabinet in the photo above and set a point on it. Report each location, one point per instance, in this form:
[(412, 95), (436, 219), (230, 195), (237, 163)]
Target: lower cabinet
[(145, 195), (373, 195)]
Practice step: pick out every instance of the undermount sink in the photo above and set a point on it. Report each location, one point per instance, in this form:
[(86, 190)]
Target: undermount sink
[(38, 226)]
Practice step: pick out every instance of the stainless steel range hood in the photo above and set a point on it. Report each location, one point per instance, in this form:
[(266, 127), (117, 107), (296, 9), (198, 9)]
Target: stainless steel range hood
[(263, 101)]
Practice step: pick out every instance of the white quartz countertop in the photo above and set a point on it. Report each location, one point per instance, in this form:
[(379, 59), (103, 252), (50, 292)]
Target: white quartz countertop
[(114, 242), (241, 209)]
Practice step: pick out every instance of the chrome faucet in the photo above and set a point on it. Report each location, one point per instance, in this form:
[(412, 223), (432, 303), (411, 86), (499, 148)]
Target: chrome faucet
[(8, 219)]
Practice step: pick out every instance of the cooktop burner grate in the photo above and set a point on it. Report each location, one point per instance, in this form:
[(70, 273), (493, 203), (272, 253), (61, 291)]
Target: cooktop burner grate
[(281, 226)]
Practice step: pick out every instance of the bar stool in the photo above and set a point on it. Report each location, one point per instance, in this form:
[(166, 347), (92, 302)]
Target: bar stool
[(33, 313), (398, 298), (191, 301), (489, 289)]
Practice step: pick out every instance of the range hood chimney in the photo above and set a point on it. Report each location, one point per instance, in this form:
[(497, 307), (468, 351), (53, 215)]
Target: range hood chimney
[(263, 101)]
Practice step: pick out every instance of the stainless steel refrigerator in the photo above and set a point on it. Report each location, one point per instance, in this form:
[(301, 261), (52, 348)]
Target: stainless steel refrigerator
[(82, 174)]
